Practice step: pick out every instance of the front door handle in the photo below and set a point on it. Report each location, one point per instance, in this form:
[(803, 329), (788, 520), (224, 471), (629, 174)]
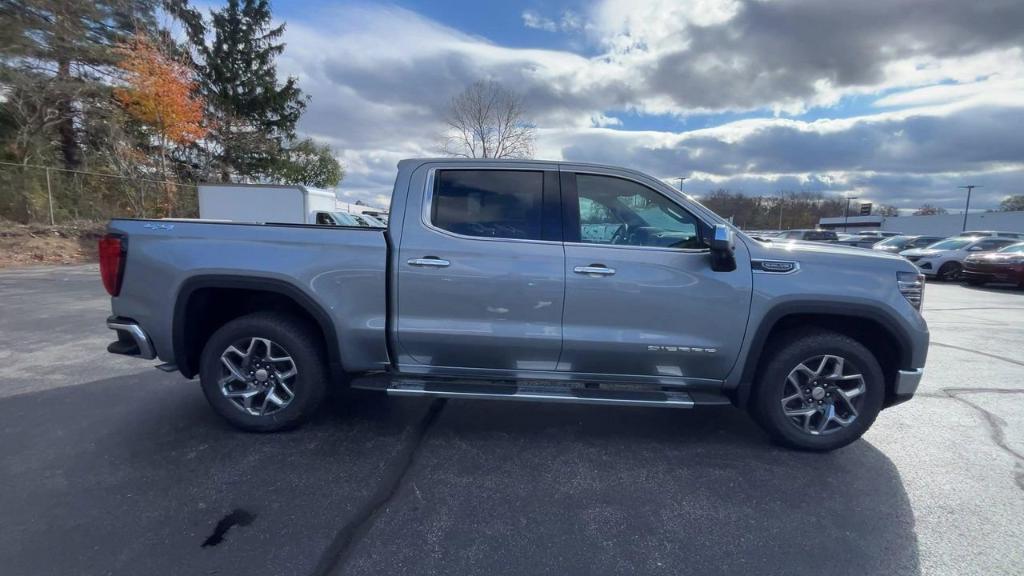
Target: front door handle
[(436, 262), (601, 270)]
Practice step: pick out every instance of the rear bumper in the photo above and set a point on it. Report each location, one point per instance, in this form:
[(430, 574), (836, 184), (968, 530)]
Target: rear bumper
[(132, 340), (906, 384)]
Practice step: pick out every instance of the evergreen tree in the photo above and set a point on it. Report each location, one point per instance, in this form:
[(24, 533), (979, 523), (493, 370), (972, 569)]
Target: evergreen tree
[(253, 116)]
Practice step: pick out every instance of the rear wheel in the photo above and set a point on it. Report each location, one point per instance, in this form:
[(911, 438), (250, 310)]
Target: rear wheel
[(819, 390), (950, 271), (264, 372)]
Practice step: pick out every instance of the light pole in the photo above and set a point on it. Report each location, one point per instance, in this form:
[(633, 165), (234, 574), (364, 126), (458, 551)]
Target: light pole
[(846, 215), (681, 178), (782, 199), (969, 187)]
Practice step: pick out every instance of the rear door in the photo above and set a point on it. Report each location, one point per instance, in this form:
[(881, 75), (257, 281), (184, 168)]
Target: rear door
[(641, 299), (481, 271)]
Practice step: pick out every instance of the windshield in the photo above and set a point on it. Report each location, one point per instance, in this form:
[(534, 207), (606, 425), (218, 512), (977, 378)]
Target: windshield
[(894, 241), (1013, 248), (344, 219), (950, 244)]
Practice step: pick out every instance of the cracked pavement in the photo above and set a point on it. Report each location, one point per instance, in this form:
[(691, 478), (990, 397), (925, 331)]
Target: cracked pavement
[(110, 467)]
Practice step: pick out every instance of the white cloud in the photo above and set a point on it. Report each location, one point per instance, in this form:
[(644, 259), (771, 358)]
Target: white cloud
[(531, 19)]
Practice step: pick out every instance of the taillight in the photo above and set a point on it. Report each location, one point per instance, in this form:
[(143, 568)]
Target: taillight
[(112, 253)]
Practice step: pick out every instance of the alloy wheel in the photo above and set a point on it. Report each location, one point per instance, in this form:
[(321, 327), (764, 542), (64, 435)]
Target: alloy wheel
[(823, 394), (257, 376)]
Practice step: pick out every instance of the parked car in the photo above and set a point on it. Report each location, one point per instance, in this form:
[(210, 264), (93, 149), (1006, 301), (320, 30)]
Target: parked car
[(897, 244), (866, 239), (1003, 265), (944, 260), (808, 235), (1018, 235), (523, 280)]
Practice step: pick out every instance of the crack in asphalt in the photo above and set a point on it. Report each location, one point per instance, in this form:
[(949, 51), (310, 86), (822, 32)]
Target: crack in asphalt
[(334, 558), (996, 356), (997, 426)]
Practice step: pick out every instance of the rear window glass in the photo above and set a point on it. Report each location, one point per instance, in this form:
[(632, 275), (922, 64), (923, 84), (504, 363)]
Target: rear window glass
[(489, 203), (820, 235)]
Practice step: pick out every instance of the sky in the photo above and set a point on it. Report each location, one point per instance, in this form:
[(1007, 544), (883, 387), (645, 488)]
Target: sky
[(896, 102)]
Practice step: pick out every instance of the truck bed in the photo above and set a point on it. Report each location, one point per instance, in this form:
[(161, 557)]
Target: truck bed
[(338, 271)]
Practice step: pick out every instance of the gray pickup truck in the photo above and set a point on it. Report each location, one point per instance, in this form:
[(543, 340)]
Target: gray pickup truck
[(522, 280)]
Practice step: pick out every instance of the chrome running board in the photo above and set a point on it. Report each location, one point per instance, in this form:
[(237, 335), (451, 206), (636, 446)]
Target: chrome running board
[(540, 393)]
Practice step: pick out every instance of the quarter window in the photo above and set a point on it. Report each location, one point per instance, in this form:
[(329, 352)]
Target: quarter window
[(621, 212), (489, 203)]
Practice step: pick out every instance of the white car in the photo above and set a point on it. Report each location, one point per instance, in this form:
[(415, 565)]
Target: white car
[(944, 259)]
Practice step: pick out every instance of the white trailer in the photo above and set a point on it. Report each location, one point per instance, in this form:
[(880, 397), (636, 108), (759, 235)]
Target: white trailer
[(266, 203)]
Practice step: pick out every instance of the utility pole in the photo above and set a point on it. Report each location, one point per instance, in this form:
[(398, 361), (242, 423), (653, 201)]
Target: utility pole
[(782, 199), (969, 188), (846, 216), (681, 178)]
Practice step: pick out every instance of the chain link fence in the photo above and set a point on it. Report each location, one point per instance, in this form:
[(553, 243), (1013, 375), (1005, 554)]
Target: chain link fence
[(40, 194)]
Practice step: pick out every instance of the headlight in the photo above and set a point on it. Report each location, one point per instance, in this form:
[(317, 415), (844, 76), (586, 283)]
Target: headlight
[(911, 285)]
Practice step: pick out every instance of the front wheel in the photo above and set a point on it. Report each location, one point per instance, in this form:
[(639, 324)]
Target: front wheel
[(819, 390), (950, 271), (264, 372)]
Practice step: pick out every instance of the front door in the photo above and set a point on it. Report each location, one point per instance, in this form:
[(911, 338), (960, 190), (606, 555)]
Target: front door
[(481, 272), (641, 299)]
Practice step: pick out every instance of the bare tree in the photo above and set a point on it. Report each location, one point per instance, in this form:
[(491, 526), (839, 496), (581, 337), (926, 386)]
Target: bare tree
[(487, 120)]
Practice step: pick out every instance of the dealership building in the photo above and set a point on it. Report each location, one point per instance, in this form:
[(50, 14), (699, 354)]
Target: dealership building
[(937, 225)]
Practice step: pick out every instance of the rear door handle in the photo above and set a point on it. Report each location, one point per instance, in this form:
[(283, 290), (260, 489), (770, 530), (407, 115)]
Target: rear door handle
[(435, 262), (601, 270)]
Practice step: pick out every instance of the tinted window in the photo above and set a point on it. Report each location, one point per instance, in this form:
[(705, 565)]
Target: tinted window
[(621, 212), (489, 203), (820, 235), (1013, 248), (994, 243)]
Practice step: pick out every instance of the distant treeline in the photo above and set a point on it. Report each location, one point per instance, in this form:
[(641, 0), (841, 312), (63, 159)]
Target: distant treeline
[(148, 90)]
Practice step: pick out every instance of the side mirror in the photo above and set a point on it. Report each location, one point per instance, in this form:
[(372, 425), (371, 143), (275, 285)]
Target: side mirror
[(975, 249), (723, 249)]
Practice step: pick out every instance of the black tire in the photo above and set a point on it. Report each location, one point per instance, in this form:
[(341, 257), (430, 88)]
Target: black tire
[(797, 347), (298, 339), (949, 272)]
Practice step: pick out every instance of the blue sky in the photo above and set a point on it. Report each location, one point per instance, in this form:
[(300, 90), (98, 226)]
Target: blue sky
[(896, 106)]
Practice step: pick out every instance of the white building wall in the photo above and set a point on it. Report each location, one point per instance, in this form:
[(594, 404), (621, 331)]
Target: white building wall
[(951, 224)]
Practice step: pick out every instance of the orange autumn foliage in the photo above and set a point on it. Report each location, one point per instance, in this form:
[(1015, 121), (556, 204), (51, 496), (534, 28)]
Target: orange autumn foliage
[(159, 92)]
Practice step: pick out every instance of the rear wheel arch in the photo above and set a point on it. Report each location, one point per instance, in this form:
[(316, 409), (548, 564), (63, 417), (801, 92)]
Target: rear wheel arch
[(205, 303), (873, 328)]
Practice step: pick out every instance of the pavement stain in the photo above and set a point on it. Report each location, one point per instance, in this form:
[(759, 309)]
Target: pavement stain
[(237, 517)]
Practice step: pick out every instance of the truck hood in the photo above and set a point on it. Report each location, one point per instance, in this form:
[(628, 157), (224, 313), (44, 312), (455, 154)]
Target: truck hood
[(794, 248)]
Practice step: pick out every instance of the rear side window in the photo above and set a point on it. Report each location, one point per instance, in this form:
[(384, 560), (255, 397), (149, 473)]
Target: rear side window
[(489, 203)]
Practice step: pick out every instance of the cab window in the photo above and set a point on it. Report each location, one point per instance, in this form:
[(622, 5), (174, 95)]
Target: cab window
[(620, 212)]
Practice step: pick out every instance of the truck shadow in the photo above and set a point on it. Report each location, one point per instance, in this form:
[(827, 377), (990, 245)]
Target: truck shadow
[(133, 474), (503, 487)]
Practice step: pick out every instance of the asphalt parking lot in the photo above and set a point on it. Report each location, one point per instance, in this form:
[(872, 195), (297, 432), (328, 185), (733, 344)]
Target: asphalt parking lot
[(108, 466)]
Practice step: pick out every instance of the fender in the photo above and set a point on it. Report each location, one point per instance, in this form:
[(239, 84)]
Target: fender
[(889, 322), (282, 287)]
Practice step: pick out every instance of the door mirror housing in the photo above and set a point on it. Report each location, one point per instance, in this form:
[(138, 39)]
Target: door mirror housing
[(975, 249), (723, 249)]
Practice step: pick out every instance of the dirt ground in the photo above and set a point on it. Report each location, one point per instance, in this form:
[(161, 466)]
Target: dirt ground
[(26, 244)]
